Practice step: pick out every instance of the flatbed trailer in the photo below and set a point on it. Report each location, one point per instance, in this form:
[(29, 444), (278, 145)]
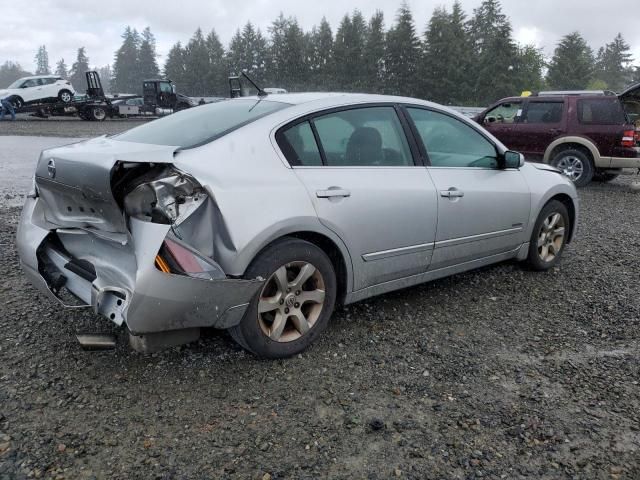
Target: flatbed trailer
[(159, 96)]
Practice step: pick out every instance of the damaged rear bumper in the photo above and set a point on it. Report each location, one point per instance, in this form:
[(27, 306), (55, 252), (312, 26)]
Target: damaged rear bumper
[(116, 276)]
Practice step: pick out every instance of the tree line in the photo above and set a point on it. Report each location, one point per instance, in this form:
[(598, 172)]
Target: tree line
[(457, 59)]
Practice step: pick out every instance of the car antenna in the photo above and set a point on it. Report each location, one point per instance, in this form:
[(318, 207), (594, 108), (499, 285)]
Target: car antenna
[(261, 92)]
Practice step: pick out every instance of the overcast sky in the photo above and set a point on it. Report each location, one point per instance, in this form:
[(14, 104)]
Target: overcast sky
[(65, 25)]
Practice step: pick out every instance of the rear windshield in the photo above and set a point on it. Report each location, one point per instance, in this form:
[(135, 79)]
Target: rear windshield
[(203, 124), (601, 111)]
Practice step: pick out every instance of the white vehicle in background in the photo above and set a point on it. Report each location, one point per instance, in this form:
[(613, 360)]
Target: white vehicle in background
[(272, 90), (37, 89)]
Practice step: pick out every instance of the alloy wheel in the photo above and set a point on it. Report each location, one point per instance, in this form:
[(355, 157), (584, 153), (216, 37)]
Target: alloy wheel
[(571, 166), (65, 97), (551, 237), (291, 301)]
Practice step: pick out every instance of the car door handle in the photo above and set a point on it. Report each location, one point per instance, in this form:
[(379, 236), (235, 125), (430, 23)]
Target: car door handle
[(333, 192), (452, 193), (555, 131)]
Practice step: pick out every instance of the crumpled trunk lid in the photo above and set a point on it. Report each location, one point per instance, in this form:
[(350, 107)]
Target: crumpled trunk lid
[(74, 181)]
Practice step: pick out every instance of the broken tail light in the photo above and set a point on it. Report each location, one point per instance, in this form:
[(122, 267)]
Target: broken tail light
[(175, 257)]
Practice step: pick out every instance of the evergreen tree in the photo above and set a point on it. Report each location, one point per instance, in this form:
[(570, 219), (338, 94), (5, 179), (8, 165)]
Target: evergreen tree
[(287, 54), (529, 69), (572, 65), (248, 53), (323, 42), (493, 70), (374, 54), (218, 69), (61, 69), (10, 72), (42, 61), (197, 65), (403, 55), (319, 43), (175, 67), (349, 48), (147, 62), (126, 77), (444, 69), (613, 66), (78, 70)]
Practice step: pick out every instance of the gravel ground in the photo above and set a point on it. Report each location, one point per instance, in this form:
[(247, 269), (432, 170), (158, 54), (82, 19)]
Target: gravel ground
[(500, 373), (66, 126)]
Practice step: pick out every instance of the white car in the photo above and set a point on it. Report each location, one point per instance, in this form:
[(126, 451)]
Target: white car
[(37, 89)]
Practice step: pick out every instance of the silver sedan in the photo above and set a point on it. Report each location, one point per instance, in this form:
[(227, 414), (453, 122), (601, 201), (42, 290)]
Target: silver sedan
[(260, 215)]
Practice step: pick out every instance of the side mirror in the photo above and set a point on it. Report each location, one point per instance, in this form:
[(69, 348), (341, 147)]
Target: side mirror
[(513, 159), (173, 88)]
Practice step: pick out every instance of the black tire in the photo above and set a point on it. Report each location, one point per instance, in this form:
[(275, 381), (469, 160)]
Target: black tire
[(569, 160), (534, 259), (65, 96), (16, 102), (249, 332), (605, 176), (97, 114)]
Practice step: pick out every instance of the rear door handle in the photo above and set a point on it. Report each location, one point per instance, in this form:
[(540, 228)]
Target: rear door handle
[(333, 192), (452, 193), (555, 131)]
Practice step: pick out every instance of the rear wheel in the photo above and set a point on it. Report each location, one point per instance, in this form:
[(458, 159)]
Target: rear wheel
[(549, 236), (65, 96), (575, 164), (294, 305)]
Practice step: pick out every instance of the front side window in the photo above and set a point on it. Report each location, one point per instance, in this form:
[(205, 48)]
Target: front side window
[(165, 87), (543, 112), (299, 145), (197, 126), (368, 137), (601, 111), (451, 143), (29, 83), (504, 113)]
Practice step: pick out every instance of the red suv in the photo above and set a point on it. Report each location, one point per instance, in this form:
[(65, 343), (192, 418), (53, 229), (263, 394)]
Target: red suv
[(585, 134)]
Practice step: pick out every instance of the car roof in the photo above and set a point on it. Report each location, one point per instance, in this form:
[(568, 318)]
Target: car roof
[(336, 99), (39, 76)]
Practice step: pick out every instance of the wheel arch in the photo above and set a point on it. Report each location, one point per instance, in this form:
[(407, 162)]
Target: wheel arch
[(329, 243), (567, 201), (564, 143)]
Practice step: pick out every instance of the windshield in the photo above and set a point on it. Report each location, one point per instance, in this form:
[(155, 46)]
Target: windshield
[(17, 83), (199, 125)]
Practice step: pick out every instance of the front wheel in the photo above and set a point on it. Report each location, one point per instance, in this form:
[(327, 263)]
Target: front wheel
[(549, 236), (98, 114), (295, 303), (575, 164)]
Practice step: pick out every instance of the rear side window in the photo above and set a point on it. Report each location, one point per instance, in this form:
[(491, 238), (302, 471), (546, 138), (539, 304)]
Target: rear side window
[(299, 145), (601, 111), (543, 112), (197, 126)]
